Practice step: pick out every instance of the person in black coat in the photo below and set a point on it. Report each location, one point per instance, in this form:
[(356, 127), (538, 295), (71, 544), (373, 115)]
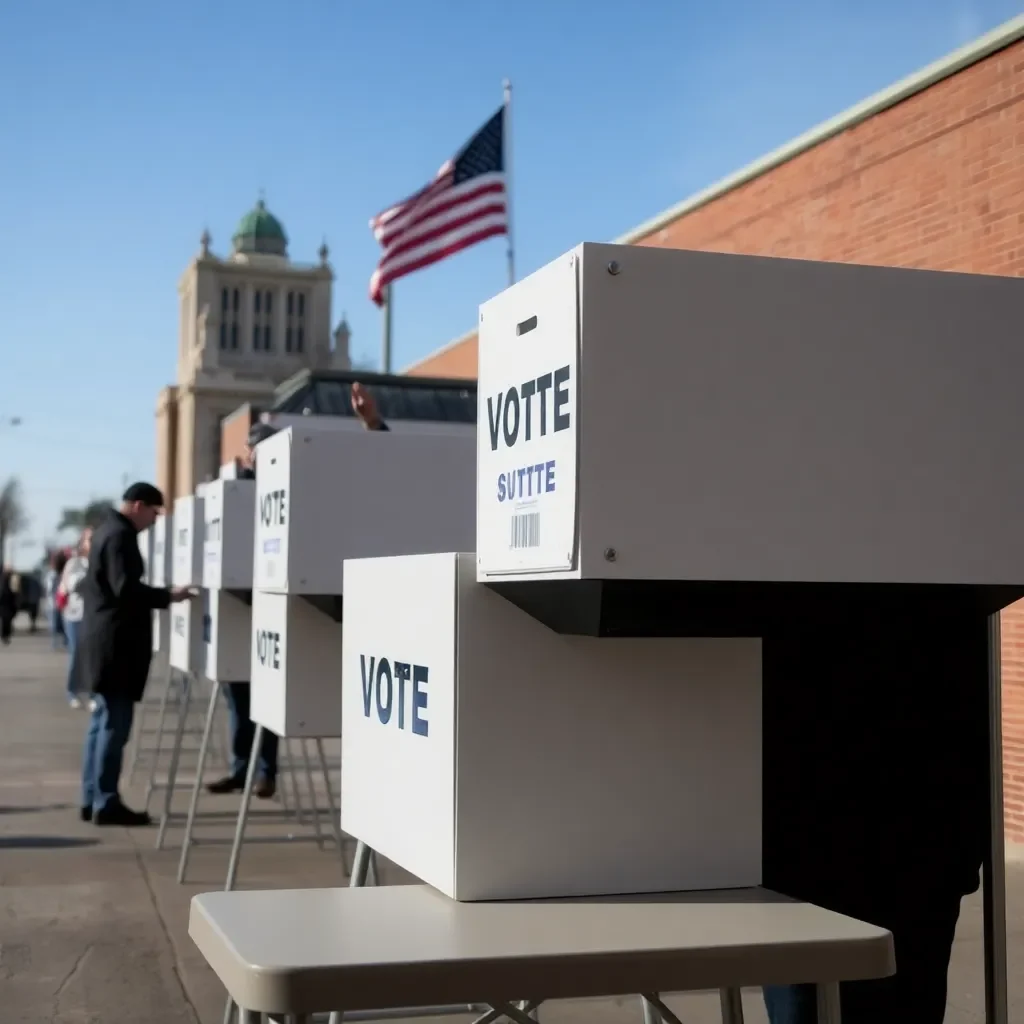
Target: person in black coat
[(242, 728), (115, 644), (8, 606)]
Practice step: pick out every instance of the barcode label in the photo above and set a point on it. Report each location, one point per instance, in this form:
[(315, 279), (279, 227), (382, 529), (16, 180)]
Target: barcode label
[(525, 531)]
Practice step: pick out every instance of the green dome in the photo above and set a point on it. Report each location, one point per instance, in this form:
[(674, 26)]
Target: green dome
[(260, 231)]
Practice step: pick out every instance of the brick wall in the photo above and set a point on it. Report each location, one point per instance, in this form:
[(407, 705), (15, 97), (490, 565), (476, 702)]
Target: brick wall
[(935, 182), (234, 430)]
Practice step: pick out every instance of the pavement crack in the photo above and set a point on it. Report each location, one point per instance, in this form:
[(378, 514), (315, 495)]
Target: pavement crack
[(176, 966), (70, 976)]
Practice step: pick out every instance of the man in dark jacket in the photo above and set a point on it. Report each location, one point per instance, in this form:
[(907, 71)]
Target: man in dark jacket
[(8, 605), (242, 728), (115, 643)]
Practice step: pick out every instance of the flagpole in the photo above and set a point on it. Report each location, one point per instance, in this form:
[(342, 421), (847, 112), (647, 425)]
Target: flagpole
[(506, 142), (385, 343)]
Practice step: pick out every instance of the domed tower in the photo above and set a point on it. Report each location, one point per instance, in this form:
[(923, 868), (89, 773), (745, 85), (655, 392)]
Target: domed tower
[(260, 232), (248, 321)]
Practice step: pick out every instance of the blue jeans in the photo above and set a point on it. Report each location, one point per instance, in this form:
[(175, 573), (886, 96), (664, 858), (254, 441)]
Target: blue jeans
[(109, 729), (242, 733), (57, 628), (71, 633)]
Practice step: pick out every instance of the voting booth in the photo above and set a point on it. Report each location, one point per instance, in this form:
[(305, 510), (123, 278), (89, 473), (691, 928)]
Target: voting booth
[(159, 575), (438, 670), (228, 513), (322, 496), (187, 556), (815, 457)]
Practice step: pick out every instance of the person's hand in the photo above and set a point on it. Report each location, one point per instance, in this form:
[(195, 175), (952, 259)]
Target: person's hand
[(364, 406), (184, 594)]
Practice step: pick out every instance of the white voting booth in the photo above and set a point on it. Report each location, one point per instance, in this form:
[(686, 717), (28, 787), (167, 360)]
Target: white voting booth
[(676, 452), (187, 649), (159, 575), (322, 496), (228, 512), (439, 672)]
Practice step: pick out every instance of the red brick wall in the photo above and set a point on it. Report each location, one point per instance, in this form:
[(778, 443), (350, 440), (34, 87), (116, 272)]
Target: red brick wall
[(935, 182)]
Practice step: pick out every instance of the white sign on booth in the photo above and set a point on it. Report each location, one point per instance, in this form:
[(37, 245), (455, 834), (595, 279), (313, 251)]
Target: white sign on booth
[(160, 576), (160, 566), (496, 759), (228, 534), (295, 658), (187, 651), (227, 633), (526, 423), (187, 559), (146, 550), (774, 401)]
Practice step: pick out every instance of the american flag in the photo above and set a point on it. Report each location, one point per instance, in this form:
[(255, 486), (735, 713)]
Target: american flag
[(463, 205)]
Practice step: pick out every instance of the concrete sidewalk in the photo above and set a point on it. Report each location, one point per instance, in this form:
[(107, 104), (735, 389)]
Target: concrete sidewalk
[(93, 927)]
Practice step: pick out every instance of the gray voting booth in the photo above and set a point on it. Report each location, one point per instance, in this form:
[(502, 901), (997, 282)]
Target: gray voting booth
[(817, 460)]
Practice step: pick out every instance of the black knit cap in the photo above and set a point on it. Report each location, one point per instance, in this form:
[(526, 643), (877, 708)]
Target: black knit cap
[(145, 493)]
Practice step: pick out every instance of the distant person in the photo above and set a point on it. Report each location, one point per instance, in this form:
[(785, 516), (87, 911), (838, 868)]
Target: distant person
[(114, 647), (243, 730), (73, 608), (50, 583), (8, 604)]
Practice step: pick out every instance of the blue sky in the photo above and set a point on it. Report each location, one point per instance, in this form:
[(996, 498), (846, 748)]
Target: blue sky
[(125, 128)]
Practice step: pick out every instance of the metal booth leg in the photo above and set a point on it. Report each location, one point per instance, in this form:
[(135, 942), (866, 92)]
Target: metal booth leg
[(186, 843), (332, 809), (314, 809), (994, 868), (236, 849), (243, 809), (300, 806), (172, 768), (169, 684)]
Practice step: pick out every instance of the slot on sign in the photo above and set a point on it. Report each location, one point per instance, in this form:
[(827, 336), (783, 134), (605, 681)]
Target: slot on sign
[(525, 326), (385, 685)]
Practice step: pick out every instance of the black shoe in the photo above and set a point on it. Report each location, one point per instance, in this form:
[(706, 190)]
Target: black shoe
[(265, 789), (118, 814), (86, 813), (229, 784)]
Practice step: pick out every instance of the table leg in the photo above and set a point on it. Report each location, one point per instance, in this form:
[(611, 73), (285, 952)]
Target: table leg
[(732, 1006), (828, 1003), (190, 821), (172, 768)]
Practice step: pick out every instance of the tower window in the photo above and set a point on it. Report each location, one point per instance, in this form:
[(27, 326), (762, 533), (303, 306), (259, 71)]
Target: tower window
[(266, 337), (298, 339), (256, 338), (269, 302), (291, 303), (256, 300), (223, 335), (287, 339), (302, 304), (234, 302), (234, 335), (223, 300)]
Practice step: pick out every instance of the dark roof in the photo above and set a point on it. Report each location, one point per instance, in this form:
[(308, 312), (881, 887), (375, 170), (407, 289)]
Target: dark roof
[(328, 393)]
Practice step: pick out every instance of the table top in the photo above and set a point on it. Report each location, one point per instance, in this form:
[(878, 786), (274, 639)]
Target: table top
[(315, 950)]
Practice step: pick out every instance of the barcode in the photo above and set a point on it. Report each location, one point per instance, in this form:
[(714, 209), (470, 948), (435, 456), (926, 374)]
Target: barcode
[(526, 531)]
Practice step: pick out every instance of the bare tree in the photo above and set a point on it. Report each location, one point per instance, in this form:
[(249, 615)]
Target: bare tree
[(13, 518), (91, 514)]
